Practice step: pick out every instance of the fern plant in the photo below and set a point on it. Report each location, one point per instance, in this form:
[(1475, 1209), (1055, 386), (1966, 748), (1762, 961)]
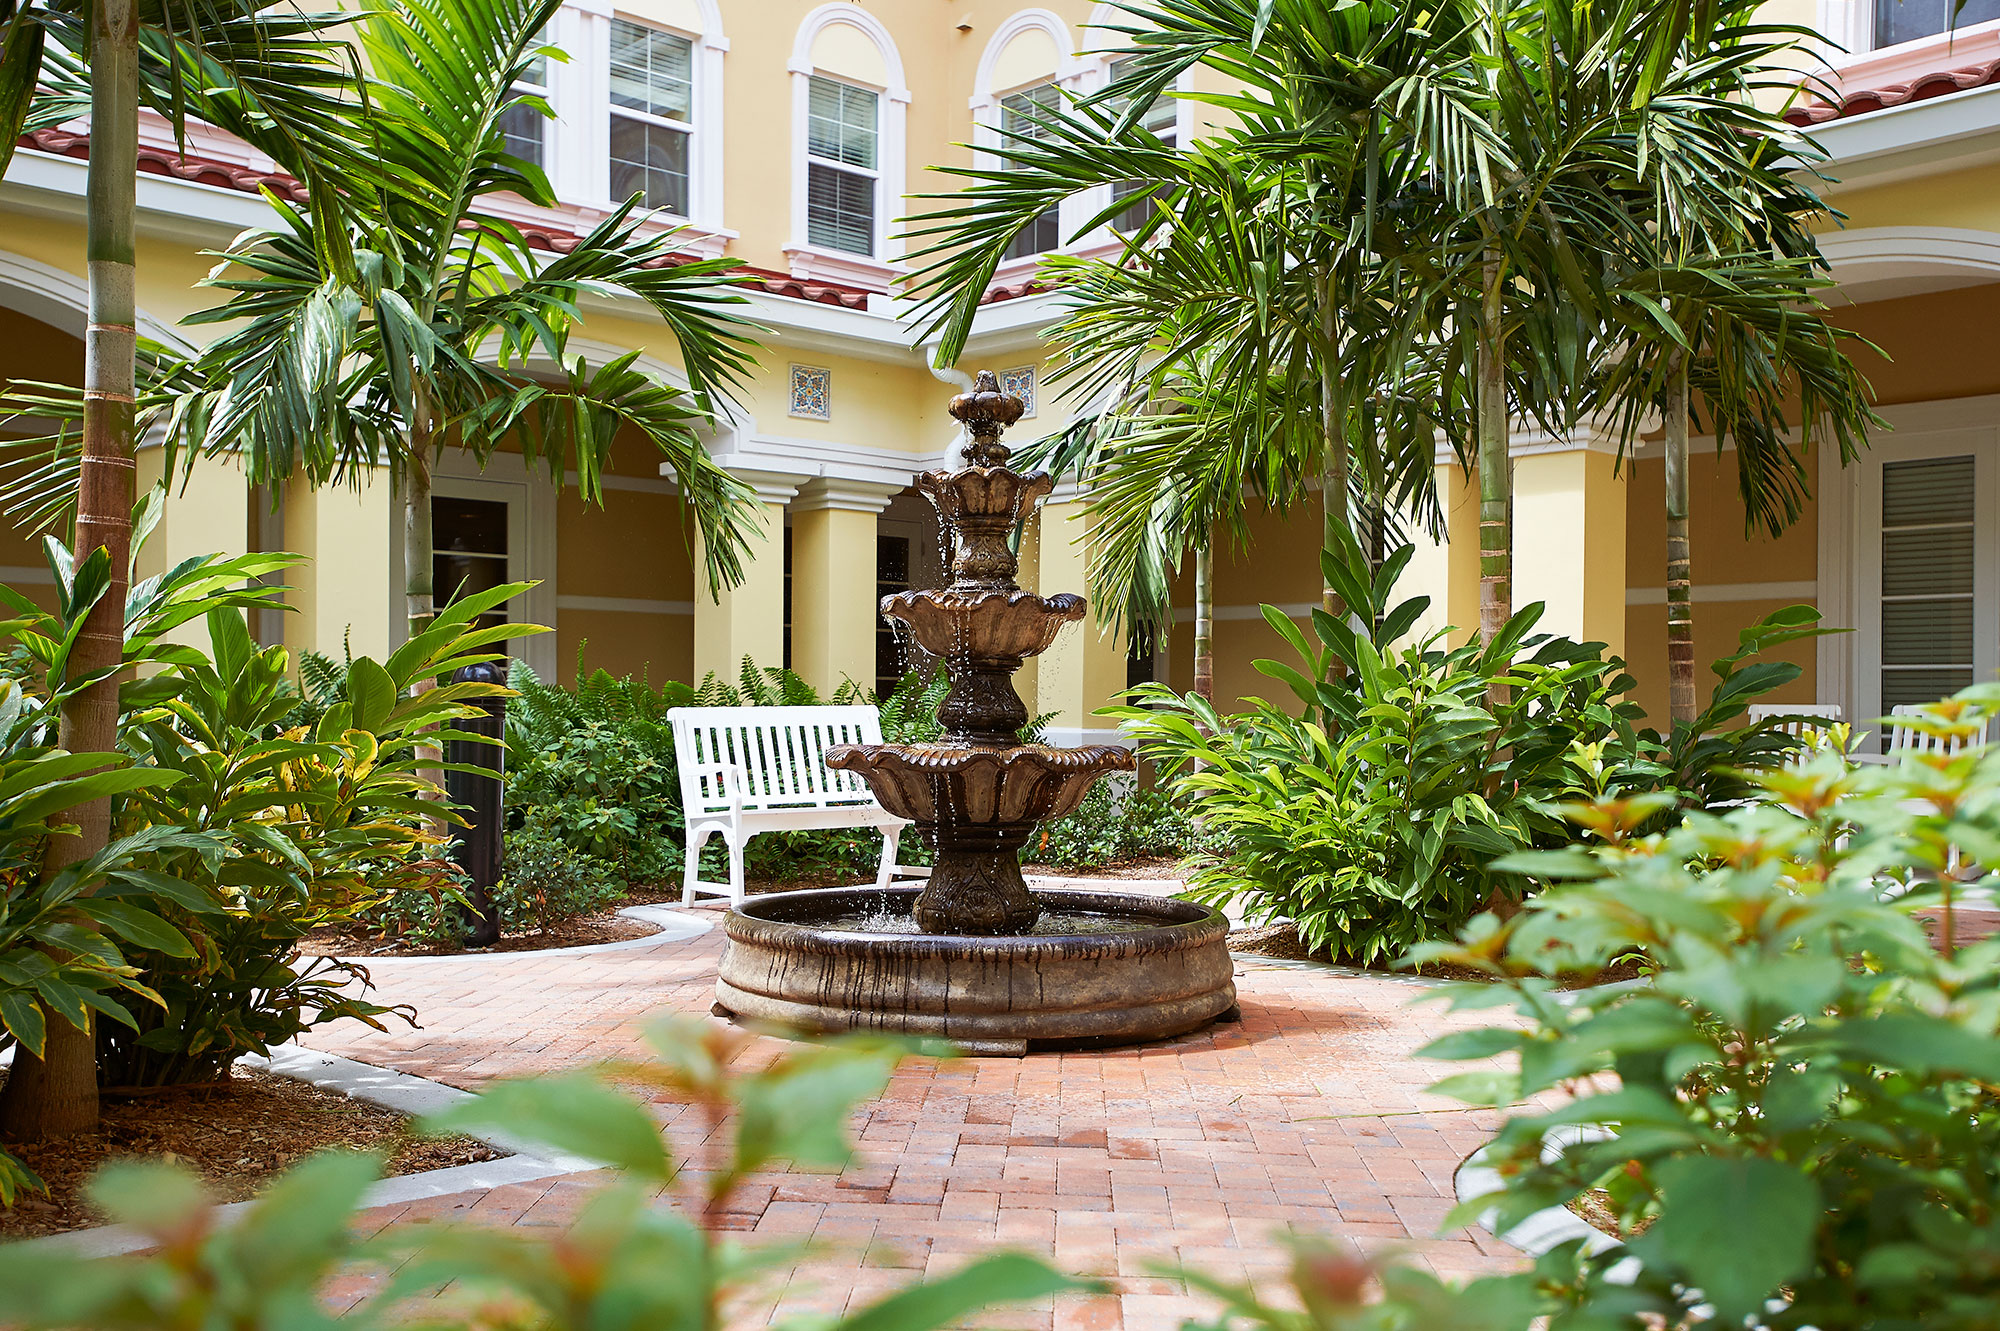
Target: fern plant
[(771, 686), (322, 683)]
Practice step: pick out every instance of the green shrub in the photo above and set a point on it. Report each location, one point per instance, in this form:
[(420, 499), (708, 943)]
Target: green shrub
[(1118, 821), (1799, 1105), (630, 1259), (546, 882), (235, 838), (313, 829), (1372, 820), (429, 913)]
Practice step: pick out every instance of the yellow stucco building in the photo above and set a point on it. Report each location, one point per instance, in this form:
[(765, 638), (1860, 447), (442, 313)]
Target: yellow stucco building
[(791, 135)]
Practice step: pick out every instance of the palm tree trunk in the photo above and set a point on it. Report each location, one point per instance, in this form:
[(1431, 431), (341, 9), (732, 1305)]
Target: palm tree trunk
[(1334, 516), (56, 1095), (419, 603), (419, 595), (1496, 598), (1680, 570), (1204, 626), (1333, 450)]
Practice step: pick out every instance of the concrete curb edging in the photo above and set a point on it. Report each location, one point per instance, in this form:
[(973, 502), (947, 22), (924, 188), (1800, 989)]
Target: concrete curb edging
[(675, 925), (399, 1091)]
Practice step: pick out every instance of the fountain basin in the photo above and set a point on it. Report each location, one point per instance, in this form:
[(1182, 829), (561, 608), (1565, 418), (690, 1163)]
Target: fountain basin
[(1151, 968)]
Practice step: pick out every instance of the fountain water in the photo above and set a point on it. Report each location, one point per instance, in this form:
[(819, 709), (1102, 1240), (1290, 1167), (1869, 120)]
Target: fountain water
[(964, 957)]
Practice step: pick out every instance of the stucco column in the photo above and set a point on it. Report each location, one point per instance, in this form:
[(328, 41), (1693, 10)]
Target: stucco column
[(833, 581), (208, 515), (748, 619), (1447, 570), (347, 590), (1086, 667), (1569, 539)]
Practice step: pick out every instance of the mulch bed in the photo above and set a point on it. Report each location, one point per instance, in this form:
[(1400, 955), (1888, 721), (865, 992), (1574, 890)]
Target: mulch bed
[(605, 926), (236, 1135), (584, 931), (1594, 1209)]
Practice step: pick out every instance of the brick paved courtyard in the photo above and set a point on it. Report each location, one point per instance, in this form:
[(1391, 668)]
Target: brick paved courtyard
[(1310, 1115)]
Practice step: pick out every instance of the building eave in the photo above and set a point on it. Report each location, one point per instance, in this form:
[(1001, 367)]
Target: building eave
[(1919, 138), (52, 185)]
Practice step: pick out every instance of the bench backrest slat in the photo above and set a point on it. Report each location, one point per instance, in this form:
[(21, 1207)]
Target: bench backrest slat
[(1906, 738), (780, 752)]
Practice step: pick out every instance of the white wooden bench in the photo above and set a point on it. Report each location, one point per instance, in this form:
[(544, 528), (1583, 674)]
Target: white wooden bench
[(745, 770)]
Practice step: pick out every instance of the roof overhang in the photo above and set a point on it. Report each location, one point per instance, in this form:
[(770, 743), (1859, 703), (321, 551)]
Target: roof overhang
[(1907, 142)]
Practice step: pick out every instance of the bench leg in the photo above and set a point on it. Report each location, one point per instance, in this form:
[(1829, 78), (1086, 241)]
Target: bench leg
[(890, 836), (691, 870), (737, 840)]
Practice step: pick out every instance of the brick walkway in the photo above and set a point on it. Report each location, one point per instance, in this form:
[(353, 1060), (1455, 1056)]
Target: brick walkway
[(1309, 1115)]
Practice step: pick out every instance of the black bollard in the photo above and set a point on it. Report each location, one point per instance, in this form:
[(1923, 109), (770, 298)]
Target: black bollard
[(477, 847)]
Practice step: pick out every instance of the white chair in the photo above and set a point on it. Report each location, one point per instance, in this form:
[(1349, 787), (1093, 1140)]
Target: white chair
[(746, 770)]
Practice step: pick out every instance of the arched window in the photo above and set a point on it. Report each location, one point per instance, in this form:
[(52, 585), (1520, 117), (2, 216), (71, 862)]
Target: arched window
[(1023, 72), (1170, 118), (850, 105)]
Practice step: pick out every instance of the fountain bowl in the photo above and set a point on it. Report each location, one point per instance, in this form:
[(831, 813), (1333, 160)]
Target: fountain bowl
[(970, 787), (1156, 968), (983, 625)]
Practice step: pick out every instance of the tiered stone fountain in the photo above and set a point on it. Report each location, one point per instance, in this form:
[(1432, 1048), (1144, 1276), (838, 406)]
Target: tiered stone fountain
[(974, 956)]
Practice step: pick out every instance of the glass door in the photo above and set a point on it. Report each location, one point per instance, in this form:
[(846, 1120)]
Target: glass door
[(476, 534)]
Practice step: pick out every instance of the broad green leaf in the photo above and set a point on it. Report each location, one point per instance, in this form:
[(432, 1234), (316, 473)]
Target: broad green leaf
[(1738, 1228), (372, 693), (134, 925)]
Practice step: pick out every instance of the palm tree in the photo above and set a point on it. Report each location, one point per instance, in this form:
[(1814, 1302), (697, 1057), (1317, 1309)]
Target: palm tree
[(1165, 468), (1638, 206), (318, 380), (1513, 269), (1265, 256), (1721, 309), (276, 80)]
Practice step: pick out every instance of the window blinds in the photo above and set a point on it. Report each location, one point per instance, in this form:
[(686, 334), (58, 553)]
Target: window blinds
[(1927, 579)]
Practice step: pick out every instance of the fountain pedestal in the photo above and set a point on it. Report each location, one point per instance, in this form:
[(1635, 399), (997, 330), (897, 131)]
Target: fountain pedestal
[(1117, 969)]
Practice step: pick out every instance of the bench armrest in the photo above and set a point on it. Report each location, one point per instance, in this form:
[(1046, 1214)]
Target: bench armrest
[(732, 780)]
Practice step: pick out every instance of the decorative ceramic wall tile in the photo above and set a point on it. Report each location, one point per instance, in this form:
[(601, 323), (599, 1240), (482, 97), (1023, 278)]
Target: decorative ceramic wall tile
[(812, 393), (1021, 383)]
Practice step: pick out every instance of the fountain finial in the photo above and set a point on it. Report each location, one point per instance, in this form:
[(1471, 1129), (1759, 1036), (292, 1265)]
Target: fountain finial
[(985, 412)]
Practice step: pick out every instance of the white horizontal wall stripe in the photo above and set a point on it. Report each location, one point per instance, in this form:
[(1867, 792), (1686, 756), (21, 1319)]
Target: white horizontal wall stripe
[(1729, 591), (27, 573), (634, 605), (645, 484), (1295, 610), (1724, 591)]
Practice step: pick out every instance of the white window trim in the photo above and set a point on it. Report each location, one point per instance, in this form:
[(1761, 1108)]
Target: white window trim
[(1850, 543), (809, 261), (577, 147), (1849, 26)]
